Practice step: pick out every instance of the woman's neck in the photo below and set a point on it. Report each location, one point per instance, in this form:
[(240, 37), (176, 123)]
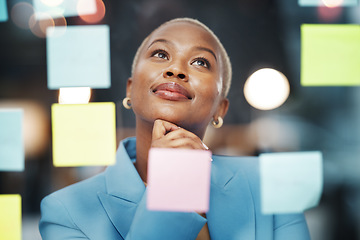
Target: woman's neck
[(143, 144)]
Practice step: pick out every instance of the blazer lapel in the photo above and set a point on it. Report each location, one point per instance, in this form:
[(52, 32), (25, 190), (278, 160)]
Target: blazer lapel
[(232, 210), (124, 190)]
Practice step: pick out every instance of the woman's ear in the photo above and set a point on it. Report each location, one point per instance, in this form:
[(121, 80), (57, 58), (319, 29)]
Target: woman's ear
[(128, 87), (222, 108)]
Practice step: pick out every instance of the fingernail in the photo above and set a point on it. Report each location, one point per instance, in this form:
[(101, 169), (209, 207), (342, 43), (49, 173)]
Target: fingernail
[(206, 147)]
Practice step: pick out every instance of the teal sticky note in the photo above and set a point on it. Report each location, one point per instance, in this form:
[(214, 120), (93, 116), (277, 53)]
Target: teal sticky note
[(315, 3), (3, 11), (12, 151), (290, 182), (330, 55), (63, 8), (78, 56)]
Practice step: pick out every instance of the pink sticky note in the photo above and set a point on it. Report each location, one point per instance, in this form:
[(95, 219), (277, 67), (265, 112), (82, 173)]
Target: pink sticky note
[(178, 180)]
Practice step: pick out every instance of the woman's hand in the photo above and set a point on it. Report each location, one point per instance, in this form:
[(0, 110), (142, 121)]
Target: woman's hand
[(168, 135)]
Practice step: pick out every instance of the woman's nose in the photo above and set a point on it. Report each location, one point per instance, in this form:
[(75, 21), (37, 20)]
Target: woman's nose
[(177, 73)]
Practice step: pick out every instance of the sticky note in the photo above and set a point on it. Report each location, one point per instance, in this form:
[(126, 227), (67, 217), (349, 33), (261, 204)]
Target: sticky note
[(78, 56), (12, 150), (3, 11), (63, 8), (290, 182), (178, 180), (83, 134), (10, 217), (314, 3), (330, 55)]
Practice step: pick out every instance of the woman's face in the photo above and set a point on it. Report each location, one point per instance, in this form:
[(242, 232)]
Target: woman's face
[(178, 78)]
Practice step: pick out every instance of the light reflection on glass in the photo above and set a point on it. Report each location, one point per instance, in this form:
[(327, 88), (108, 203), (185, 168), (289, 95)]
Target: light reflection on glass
[(76, 95), (266, 89)]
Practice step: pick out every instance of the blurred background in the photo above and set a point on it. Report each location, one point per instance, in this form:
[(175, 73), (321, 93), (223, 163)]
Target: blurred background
[(257, 34)]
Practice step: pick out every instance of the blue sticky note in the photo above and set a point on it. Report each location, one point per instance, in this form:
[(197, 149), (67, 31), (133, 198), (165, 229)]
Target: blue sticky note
[(12, 150), (78, 56), (314, 3), (3, 11), (63, 8), (290, 182)]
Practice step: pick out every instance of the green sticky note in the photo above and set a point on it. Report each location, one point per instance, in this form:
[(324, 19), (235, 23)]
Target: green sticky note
[(330, 55), (290, 182), (3, 11), (10, 217), (83, 134), (12, 149)]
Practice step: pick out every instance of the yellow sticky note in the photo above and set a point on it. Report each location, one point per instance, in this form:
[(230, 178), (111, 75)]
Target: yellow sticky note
[(83, 134), (10, 217), (330, 55)]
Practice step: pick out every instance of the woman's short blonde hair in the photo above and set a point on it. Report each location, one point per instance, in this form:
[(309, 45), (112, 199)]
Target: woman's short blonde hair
[(225, 60)]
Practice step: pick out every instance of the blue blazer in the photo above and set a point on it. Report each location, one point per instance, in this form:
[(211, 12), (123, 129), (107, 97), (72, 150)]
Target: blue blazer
[(112, 205)]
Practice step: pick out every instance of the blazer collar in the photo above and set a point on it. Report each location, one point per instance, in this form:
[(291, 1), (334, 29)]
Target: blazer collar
[(122, 179), (125, 189), (124, 186)]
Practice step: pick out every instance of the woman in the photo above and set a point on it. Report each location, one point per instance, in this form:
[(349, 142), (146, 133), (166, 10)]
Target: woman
[(180, 78)]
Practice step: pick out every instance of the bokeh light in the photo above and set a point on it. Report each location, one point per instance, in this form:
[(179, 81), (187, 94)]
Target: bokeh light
[(60, 25), (329, 14), (21, 14), (38, 27), (333, 3), (92, 18), (266, 89), (76, 95), (36, 125)]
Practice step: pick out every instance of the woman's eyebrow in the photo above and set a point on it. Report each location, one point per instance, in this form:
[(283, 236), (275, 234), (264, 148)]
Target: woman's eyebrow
[(199, 48), (207, 50), (160, 40)]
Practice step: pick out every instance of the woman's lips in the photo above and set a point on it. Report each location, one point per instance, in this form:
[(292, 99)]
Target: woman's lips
[(172, 91)]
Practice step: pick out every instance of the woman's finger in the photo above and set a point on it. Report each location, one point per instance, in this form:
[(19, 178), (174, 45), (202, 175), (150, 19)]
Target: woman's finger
[(161, 128), (187, 143), (184, 139)]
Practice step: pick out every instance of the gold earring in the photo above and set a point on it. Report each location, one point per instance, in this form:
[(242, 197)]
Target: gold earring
[(126, 103), (217, 124)]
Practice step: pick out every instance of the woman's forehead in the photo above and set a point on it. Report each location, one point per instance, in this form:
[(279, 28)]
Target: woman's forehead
[(185, 32)]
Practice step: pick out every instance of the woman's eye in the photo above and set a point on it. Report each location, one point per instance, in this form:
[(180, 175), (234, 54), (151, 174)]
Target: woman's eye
[(160, 55), (201, 62)]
